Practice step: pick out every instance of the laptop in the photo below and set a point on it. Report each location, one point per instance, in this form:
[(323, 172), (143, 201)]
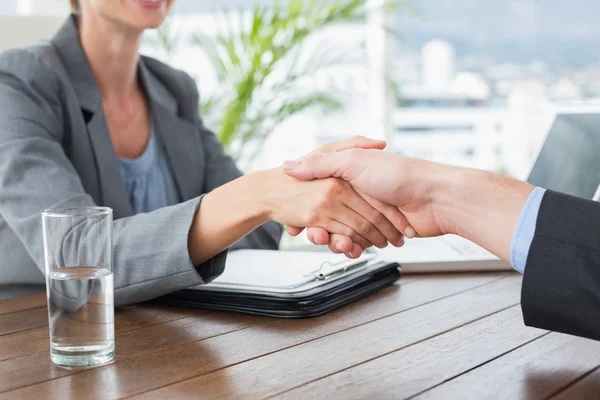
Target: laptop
[(568, 162)]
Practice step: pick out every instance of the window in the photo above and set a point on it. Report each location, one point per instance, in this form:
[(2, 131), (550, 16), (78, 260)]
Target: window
[(434, 129), (8, 6), (478, 75)]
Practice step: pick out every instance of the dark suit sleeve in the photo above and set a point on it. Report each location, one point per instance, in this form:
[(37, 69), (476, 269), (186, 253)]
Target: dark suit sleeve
[(561, 285)]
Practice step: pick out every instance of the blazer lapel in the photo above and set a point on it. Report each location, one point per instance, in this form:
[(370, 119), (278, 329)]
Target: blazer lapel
[(180, 137), (112, 187), (107, 175)]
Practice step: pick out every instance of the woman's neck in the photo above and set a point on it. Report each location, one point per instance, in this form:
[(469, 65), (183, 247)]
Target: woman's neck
[(112, 51)]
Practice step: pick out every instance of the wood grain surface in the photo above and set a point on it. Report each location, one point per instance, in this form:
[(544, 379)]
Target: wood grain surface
[(440, 336)]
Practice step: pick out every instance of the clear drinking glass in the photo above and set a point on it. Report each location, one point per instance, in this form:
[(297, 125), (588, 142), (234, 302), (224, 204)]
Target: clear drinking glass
[(79, 285)]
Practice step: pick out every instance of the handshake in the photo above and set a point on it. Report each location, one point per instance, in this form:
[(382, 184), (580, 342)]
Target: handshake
[(351, 195)]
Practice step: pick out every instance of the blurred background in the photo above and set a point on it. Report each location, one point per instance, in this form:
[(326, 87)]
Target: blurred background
[(472, 83)]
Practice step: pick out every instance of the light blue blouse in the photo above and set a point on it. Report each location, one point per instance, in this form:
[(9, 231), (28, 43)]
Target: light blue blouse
[(148, 179)]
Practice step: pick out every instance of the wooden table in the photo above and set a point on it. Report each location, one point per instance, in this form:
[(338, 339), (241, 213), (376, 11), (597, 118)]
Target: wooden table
[(429, 337)]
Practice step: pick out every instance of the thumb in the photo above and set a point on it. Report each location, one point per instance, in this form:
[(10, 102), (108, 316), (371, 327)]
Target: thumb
[(356, 142), (317, 166)]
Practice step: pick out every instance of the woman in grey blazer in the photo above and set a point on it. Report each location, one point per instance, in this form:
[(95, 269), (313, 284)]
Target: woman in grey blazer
[(85, 120)]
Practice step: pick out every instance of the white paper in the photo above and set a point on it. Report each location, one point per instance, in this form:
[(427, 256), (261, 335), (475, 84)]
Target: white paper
[(271, 268), (446, 249)]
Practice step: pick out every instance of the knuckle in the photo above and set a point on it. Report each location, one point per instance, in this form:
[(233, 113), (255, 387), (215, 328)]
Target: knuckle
[(314, 159), (312, 218), (336, 187), (324, 201), (356, 238), (364, 228), (378, 218)]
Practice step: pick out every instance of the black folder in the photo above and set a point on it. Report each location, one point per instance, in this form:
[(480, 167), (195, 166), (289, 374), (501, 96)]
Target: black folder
[(288, 284)]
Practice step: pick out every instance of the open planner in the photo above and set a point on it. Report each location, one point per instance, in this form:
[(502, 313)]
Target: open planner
[(289, 284)]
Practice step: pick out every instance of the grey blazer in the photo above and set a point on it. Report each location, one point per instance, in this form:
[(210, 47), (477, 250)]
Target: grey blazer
[(56, 151)]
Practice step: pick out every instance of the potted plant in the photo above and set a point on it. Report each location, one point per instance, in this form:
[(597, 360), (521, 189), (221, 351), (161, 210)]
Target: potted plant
[(264, 61)]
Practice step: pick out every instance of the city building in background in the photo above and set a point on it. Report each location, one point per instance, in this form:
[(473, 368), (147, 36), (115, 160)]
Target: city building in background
[(455, 117)]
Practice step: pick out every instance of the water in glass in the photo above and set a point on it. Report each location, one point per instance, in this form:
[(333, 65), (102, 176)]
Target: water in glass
[(81, 316)]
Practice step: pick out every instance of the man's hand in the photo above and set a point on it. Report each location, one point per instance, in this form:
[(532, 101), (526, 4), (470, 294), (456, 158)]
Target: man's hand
[(343, 244), (405, 183), (437, 199)]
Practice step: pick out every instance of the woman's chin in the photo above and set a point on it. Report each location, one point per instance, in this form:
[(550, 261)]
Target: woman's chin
[(145, 23), (139, 15)]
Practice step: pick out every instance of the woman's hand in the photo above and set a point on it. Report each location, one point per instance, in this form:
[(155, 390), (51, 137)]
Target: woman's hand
[(331, 204)]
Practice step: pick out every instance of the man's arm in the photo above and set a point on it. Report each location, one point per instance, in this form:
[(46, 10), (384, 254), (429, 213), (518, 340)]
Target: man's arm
[(436, 199), (560, 260), (561, 285), (559, 254), (480, 206)]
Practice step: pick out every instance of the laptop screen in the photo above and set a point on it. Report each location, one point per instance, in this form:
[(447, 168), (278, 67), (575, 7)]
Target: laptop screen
[(569, 161)]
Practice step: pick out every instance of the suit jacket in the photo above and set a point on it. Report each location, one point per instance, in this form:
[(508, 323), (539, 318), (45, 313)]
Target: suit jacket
[(56, 151), (561, 285)]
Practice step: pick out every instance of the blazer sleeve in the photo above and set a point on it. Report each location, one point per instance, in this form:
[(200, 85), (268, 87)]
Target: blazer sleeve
[(150, 250), (561, 284)]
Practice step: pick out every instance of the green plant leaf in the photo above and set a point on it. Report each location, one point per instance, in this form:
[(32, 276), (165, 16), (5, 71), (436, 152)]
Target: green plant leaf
[(264, 66)]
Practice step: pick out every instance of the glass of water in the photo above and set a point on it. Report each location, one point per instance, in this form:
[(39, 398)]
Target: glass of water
[(79, 285)]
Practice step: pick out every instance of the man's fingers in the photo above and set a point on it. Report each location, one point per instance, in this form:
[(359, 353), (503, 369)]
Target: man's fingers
[(294, 230), (362, 226), (394, 216), (383, 230), (356, 142), (343, 229), (318, 236)]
